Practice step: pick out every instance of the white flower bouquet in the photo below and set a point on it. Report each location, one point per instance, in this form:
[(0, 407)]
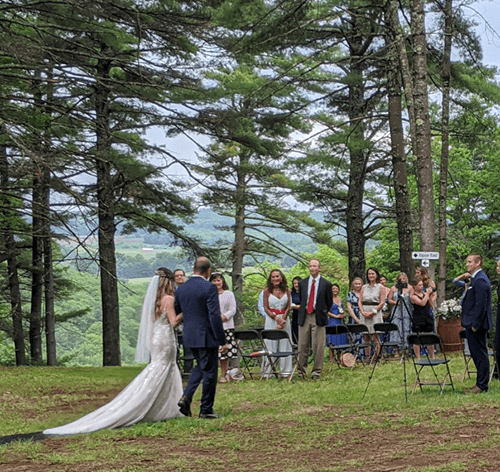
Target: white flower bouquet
[(449, 309)]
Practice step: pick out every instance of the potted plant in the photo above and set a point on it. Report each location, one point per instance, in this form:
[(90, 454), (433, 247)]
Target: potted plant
[(449, 314)]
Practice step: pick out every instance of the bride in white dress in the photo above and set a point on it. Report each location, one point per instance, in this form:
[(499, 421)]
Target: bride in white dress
[(154, 393)]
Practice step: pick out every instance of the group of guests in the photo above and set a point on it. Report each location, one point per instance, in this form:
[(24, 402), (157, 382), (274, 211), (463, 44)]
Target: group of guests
[(310, 304), (314, 303)]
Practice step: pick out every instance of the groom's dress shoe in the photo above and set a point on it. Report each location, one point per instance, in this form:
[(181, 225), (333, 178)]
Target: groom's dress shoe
[(185, 406), (209, 416), (475, 390)]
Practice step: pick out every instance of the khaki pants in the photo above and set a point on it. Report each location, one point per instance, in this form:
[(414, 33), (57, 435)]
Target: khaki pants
[(311, 335)]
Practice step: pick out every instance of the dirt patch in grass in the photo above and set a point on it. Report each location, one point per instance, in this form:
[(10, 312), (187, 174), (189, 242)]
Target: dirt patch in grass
[(460, 439)]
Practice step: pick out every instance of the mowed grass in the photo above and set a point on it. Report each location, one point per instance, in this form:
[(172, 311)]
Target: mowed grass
[(326, 425)]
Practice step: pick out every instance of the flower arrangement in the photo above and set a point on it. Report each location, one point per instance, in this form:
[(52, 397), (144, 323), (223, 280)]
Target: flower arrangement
[(449, 309)]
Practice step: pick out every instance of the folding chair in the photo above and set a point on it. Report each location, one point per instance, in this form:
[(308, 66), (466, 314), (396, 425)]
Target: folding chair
[(468, 358), (251, 351), (354, 329), (278, 347), (386, 328), (426, 339), (338, 349), (185, 358)]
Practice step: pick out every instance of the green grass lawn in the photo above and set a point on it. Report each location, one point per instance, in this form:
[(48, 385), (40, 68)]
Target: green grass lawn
[(272, 425)]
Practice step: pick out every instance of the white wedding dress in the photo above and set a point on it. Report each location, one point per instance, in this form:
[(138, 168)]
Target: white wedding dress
[(151, 396)]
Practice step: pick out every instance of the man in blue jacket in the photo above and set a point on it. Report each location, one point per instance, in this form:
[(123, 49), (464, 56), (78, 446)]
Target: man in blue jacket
[(477, 319), (198, 301)]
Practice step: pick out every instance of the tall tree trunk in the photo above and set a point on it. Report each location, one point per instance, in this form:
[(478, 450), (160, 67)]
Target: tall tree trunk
[(12, 273), (445, 149), (401, 194), (35, 319), (35, 329), (356, 238), (239, 247), (50, 319), (422, 150), (106, 216)]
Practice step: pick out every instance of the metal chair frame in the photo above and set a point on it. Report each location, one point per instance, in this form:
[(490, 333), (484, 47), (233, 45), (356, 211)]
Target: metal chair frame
[(425, 339), (251, 350), (275, 355), (339, 348), (386, 328)]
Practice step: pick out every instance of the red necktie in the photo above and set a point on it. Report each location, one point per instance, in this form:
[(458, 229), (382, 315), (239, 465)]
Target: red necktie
[(310, 302)]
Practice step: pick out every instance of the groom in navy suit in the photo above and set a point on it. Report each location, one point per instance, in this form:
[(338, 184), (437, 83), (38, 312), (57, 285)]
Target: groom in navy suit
[(198, 301), (477, 319)]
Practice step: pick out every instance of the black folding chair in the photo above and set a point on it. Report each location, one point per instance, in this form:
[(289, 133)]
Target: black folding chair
[(386, 329), (468, 358), (279, 346), (427, 339), (362, 329), (251, 350), (338, 349)]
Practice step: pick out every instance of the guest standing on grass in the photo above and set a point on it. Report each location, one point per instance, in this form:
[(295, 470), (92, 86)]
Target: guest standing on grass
[(402, 310), (277, 302), (315, 301), (370, 304), (336, 317), (295, 308), (227, 303), (352, 305), (423, 319), (477, 319)]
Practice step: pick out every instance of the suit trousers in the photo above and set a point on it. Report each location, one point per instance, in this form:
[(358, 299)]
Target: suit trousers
[(311, 335), (207, 363), (478, 348)]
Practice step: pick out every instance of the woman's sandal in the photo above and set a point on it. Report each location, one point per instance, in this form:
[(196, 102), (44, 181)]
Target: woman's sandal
[(223, 380)]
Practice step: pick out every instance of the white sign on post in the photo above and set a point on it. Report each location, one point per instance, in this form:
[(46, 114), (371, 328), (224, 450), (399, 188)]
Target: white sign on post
[(425, 255), (425, 262)]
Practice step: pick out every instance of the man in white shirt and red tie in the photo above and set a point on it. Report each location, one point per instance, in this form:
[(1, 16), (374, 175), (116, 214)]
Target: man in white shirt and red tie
[(315, 301)]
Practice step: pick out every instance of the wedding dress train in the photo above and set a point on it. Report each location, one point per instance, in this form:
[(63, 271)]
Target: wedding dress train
[(151, 396)]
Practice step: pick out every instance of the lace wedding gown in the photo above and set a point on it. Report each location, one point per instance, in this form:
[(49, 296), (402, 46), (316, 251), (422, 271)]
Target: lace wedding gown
[(151, 396)]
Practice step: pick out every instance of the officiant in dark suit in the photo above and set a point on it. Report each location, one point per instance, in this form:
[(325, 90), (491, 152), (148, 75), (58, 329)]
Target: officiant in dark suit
[(315, 301), (198, 301), (477, 319)]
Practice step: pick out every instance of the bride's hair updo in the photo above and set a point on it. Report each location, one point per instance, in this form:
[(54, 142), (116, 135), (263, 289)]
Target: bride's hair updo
[(165, 286)]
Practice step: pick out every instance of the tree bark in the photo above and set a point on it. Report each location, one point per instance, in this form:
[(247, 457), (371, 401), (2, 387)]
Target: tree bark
[(445, 149), (13, 277), (106, 217), (356, 238), (422, 150), (239, 247), (401, 193)]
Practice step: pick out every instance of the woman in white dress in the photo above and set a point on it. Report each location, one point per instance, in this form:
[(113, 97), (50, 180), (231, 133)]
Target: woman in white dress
[(277, 303), (371, 301), (154, 393)]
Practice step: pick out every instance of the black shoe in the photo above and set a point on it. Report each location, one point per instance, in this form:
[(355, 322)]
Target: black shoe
[(209, 416), (315, 376), (185, 406)]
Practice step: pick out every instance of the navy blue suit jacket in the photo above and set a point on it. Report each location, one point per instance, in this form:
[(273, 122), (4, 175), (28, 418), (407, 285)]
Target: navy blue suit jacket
[(476, 305), (324, 301), (198, 301)]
